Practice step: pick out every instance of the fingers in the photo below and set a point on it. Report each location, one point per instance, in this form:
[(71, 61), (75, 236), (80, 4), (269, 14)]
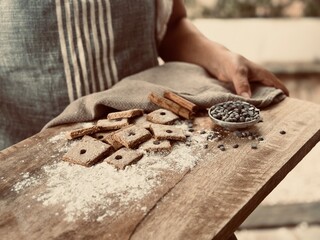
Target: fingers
[(268, 79), (241, 82), (276, 82), (243, 71)]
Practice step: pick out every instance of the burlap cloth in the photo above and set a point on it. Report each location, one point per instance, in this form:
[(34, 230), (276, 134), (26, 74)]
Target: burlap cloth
[(190, 81)]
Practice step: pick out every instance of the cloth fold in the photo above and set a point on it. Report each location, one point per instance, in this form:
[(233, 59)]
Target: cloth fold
[(190, 81)]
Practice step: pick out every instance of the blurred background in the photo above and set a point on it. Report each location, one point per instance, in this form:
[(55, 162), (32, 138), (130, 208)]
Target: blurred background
[(284, 37), (253, 8)]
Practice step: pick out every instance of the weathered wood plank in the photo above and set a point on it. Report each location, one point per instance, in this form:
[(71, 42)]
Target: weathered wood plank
[(225, 188), (209, 202), (23, 217)]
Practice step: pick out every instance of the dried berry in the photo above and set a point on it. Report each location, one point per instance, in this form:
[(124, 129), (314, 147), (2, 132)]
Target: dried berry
[(210, 137)]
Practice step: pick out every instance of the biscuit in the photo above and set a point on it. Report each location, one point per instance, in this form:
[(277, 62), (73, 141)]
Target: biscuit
[(87, 152), (101, 136), (166, 132), (155, 145), (142, 122), (125, 114), (82, 131), (108, 124), (132, 136), (162, 116), (123, 157), (109, 139)]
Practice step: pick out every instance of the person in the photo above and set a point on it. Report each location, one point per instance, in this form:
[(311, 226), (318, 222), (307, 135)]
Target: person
[(53, 52), (183, 42)]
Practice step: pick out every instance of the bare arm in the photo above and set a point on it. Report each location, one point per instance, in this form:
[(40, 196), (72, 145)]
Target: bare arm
[(183, 42)]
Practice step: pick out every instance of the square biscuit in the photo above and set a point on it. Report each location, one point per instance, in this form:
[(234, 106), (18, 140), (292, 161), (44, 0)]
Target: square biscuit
[(82, 131), (167, 132), (125, 114), (101, 136), (109, 139), (154, 145), (142, 122), (123, 157), (110, 124), (132, 136), (162, 116), (87, 152)]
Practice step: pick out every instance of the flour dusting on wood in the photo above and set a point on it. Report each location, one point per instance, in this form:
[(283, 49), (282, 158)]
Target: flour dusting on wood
[(83, 192), (26, 181)]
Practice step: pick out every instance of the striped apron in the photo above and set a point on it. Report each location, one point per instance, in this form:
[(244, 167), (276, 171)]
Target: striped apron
[(55, 51)]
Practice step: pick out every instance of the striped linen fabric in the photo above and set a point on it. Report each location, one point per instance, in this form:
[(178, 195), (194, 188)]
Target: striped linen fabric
[(55, 51), (87, 45)]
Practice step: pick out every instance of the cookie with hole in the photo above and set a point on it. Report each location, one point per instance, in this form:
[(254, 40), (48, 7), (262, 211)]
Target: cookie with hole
[(124, 157), (162, 116), (132, 137), (88, 151), (167, 132), (154, 145)]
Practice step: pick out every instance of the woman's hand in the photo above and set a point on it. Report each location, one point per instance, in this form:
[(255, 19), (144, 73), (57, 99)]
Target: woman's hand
[(183, 42), (231, 67)]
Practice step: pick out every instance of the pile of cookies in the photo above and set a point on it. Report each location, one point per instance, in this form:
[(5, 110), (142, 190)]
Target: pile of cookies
[(123, 137)]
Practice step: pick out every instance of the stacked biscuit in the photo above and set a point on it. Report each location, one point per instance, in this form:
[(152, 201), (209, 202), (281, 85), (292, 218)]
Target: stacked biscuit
[(119, 138)]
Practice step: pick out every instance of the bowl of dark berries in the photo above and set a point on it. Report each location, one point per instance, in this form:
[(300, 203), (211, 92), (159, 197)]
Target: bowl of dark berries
[(234, 114)]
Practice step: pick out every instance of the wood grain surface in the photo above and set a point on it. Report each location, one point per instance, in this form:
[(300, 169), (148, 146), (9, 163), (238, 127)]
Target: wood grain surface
[(223, 190), (209, 202)]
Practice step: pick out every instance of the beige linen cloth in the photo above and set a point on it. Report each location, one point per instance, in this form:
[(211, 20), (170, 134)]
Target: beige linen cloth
[(190, 81)]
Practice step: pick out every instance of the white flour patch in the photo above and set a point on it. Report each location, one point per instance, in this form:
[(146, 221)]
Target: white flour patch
[(57, 138), (26, 182), (102, 189), (68, 145), (83, 190)]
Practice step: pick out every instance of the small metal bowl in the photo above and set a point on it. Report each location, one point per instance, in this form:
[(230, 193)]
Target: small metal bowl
[(232, 125)]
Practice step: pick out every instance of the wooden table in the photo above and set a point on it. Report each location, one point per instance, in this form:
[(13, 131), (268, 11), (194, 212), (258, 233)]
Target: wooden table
[(208, 202)]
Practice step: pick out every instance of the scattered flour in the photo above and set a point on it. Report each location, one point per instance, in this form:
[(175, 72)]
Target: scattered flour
[(26, 181), (57, 138), (67, 144), (103, 189), (83, 190)]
